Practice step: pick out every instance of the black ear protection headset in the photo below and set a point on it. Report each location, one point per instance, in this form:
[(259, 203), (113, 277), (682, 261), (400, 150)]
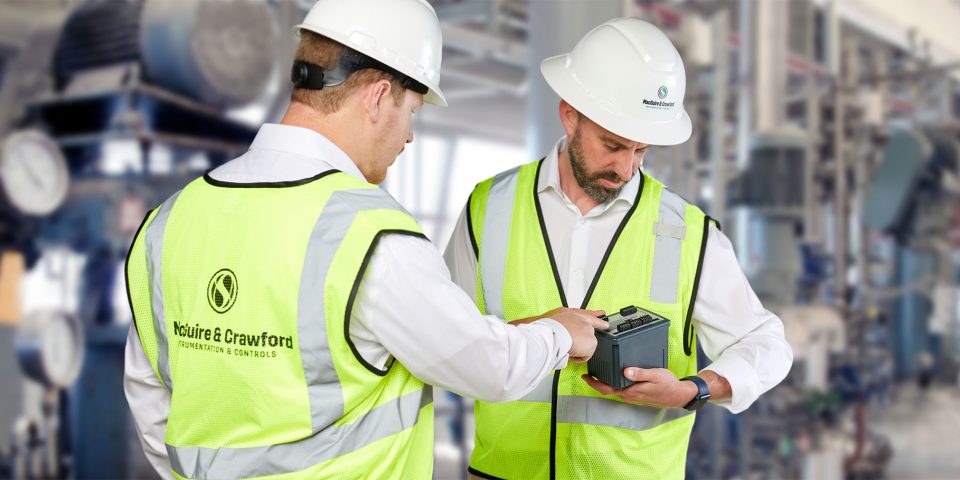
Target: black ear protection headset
[(313, 77)]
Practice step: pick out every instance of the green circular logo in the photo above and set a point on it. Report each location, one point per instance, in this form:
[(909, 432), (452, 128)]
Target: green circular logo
[(662, 92), (222, 290)]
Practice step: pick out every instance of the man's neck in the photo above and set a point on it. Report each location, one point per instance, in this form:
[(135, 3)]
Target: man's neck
[(335, 127), (570, 187)]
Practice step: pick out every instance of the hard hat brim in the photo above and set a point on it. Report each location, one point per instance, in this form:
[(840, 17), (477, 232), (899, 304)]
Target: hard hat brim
[(628, 125), (433, 96)]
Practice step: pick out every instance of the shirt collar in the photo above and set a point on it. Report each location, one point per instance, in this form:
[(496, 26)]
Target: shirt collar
[(308, 144), (550, 177)]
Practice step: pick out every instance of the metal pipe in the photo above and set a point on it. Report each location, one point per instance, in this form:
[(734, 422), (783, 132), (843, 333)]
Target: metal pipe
[(449, 156), (51, 424), (718, 109), (839, 157), (932, 70), (813, 228), (502, 86), (744, 114), (555, 27), (770, 73)]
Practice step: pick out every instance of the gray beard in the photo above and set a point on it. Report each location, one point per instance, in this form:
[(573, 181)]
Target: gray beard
[(588, 182)]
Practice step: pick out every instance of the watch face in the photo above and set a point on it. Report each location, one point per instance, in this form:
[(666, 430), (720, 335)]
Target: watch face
[(698, 402)]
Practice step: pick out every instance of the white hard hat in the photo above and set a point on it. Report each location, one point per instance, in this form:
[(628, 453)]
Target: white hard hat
[(403, 34), (626, 76)]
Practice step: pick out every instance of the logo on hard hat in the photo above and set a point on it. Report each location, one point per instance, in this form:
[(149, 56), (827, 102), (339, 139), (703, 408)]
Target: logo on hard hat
[(222, 290), (662, 92)]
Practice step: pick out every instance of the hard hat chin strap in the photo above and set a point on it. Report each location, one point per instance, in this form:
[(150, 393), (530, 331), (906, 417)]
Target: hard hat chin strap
[(314, 77)]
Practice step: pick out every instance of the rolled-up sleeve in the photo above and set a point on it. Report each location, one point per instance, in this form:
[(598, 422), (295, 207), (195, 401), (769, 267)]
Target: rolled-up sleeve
[(744, 340)]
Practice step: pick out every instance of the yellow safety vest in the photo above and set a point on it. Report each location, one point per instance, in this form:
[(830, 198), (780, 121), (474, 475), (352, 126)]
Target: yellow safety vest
[(565, 429), (242, 295)]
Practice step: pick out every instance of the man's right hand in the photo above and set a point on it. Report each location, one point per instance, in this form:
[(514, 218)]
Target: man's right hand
[(580, 324)]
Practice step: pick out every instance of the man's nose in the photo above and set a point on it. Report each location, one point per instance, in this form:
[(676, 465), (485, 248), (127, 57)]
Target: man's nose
[(624, 165)]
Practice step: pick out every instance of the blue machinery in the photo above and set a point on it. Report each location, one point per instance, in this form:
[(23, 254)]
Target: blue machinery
[(910, 199), (157, 79)]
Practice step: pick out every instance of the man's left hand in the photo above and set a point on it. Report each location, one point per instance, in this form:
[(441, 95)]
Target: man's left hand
[(656, 387)]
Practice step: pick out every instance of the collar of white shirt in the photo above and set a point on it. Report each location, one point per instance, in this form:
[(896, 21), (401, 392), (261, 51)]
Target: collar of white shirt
[(283, 153), (551, 166)]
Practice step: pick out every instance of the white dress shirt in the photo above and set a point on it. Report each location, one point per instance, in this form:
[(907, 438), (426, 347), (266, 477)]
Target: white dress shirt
[(407, 307), (745, 341)]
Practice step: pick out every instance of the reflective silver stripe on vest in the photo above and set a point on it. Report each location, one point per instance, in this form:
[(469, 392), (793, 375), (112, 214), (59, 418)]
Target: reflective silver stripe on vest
[(543, 393), (334, 441), (323, 386), (496, 237), (153, 247), (609, 413), (668, 245)]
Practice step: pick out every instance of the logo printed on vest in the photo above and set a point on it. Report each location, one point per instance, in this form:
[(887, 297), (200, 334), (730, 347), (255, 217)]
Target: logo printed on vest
[(222, 290)]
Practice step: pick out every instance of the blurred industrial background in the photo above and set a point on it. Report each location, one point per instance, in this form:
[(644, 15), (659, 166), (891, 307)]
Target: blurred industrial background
[(826, 140)]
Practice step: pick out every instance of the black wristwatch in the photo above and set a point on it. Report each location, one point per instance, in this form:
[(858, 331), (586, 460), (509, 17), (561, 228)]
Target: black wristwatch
[(703, 393)]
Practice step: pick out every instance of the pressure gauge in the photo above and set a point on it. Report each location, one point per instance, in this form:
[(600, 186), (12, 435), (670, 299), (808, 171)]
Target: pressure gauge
[(33, 172), (50, 348)]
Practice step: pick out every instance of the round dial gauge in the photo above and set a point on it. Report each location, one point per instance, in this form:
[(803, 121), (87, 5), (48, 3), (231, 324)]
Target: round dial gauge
[(50, 348), (33, 172)]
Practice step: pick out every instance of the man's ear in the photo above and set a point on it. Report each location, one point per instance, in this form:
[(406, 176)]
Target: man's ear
[(373, 96), (569, 118)]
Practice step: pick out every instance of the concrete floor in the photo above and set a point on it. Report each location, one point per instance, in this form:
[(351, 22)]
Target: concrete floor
[(925, 434)]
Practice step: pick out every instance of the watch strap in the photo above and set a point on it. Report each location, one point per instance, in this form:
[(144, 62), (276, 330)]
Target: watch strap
[(703, 393)]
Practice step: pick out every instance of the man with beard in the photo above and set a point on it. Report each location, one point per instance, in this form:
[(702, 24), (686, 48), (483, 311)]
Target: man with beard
[(585, 226)]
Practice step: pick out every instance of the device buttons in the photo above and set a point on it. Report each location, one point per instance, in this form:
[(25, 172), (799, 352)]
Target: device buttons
[(629, 325), (627, 311)]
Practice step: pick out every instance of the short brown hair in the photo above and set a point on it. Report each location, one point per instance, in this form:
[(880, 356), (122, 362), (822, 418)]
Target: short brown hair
[(323, 51)]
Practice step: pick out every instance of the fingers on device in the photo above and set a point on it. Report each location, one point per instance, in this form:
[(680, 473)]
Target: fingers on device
[(635, 338)]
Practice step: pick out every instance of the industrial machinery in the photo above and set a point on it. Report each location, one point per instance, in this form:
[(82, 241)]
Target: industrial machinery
[(106, 108), (775, 186), (837, 127), (913, 197)]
